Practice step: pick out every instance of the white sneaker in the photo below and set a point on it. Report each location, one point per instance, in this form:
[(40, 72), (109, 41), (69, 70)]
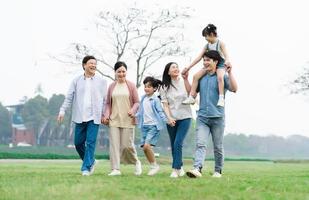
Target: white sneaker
[(92, 168), (138, 168), (217, 175), (194, 173), (188, 101), (153, 170), (115, 172), (174, 174), (221, 102), (181, 172), (85, 173)]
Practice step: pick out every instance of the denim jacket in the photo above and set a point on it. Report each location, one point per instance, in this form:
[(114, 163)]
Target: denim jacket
[(157, 109)]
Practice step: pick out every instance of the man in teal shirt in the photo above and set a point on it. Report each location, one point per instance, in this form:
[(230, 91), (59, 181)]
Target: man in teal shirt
[(210, 117)]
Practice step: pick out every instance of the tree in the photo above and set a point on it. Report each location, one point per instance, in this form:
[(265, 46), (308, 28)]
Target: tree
[(301, 84), (5, 124), (134, 35), (54, 104), (35, 112), (57, 131)]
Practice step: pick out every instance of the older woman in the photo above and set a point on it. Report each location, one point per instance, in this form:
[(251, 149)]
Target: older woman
[(121, 105), (175, 90)]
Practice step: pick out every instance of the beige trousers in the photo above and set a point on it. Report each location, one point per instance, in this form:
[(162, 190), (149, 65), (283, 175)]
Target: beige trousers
[(121, 146)]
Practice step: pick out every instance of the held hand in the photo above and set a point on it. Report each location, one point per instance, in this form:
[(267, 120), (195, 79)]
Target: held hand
[(130, 113), (228, 68), (171, 122), (184, 71), (60, 118), (227, 64), (105, 121), (185, 75)]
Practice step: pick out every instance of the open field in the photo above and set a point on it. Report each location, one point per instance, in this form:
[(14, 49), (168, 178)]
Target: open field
[(61, 179)]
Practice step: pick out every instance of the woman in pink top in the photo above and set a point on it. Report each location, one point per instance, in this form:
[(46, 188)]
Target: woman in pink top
[(121, 105)]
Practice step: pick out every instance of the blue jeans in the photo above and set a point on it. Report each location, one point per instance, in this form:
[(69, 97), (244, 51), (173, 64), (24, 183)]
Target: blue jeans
[(85, 141), (177, 135), (204, 128)]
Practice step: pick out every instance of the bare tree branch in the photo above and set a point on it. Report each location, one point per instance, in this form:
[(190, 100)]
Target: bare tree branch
[(108, 76), (301, 84), (136, 34)]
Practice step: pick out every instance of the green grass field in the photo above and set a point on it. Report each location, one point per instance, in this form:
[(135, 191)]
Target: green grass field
[(61, 179)]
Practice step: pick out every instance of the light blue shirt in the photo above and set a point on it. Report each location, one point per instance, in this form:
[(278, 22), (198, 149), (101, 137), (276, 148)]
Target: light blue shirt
[(209, 96), (75, 97), (158, 112)]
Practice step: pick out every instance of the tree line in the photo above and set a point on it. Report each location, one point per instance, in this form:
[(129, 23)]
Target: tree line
[(39, 114)]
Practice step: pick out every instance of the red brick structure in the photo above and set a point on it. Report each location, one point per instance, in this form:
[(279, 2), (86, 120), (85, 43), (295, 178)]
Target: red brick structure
[(23, 135)]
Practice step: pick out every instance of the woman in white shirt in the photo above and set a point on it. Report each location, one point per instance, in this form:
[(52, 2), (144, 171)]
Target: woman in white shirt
[(174, 91)]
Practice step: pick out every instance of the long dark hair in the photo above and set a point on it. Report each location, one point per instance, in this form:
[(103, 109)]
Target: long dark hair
[(166, 78)]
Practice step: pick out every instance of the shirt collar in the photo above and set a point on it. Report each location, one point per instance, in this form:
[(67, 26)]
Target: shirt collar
[(90, 77), (151, 97)]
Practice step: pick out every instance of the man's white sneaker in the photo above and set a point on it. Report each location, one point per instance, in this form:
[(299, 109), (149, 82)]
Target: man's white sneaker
[(115, 172), (92, 168), (188, 101), (174, 174), (85, 173), (194, 173), (138, 168), (221, 102), (153, 170), (217, 175), (181, 172)]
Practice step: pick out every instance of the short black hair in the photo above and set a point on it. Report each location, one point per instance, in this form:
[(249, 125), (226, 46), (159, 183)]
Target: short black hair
[(120, 64), (86, 58), (212, 54)]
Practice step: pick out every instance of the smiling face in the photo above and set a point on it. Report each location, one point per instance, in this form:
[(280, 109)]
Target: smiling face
[(90, 67), (149, 89), (173, 71), (209, 64), (121, 73), (211, 38)]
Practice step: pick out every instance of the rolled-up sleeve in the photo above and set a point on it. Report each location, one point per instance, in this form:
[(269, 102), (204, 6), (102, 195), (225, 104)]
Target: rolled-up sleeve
[(163, 96)]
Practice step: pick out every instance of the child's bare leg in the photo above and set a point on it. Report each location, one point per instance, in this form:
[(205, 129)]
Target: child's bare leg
[(149, 153), (220, 77), (154, 167)]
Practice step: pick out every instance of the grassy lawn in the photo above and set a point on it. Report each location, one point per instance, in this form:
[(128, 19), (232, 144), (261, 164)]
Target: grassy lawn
[(61, 179)]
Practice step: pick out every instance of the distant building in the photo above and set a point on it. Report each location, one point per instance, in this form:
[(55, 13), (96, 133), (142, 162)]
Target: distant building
[(20, 134)]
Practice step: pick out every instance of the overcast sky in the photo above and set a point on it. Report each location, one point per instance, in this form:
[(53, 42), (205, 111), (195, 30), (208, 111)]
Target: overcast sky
[(267, 41)]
